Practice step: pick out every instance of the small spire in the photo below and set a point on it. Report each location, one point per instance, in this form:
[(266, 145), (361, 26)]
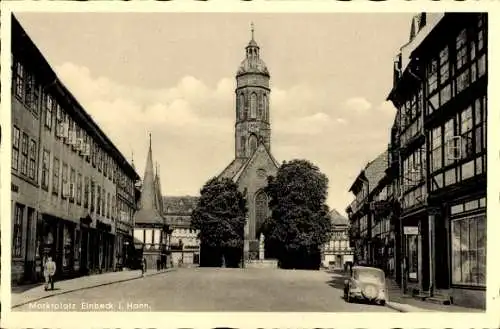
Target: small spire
[(149, 140), (133, 159), (252, 28)]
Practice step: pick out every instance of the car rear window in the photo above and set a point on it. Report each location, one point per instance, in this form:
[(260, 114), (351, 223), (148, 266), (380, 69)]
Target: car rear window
[(368, 274)]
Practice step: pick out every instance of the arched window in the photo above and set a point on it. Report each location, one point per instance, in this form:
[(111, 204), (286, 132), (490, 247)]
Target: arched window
[(260, 110), (252, 142), (265, 116), (241, 107), (253, 106), (242, 144), (261, 211)]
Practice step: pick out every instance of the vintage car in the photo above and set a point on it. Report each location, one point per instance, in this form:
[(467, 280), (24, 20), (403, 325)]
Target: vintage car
[(365, 283)]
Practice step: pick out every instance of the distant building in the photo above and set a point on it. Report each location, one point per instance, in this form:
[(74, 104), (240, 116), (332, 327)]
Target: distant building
[(151, 231), (184, 243), (361, 217), (72, 191), (253, 161), (337, 251)]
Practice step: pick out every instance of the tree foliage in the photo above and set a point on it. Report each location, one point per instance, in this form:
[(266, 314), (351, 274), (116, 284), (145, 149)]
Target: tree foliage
[(220, 217), (300, 223)]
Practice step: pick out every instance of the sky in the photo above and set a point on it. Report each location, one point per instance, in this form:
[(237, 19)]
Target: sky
[(173, 75)]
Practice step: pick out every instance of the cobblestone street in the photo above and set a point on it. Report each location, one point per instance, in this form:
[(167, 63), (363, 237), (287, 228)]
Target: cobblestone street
[(214, 289)]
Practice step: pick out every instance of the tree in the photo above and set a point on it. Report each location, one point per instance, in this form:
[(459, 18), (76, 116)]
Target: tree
[(220, 216), (300, 223)]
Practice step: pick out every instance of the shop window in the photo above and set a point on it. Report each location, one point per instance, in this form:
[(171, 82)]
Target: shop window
[(24, 154), (68, 246), (78, 234), (412, 257), (55, 177), (17, 230), (469, 251), (16, 134), (45, 169)]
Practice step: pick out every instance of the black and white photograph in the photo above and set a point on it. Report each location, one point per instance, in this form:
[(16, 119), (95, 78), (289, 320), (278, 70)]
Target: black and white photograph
[(264, 162)]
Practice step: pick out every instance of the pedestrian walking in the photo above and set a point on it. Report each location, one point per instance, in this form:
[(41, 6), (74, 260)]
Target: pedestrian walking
[(143, 266), (49, 272), (158, 261)]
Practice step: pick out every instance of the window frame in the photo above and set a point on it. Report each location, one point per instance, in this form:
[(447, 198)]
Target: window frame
[(45, 169), (24, 154), (16, 142), (17, 230), (56, 176), (32, 170)]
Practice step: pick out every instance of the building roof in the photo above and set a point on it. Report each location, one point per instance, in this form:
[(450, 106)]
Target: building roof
[(149, 212), (179, 205), (232, 169), (375, 170), (236, 168), (337, 219), (252, 63)]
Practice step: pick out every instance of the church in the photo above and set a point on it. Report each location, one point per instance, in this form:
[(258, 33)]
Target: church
[(253, 161)]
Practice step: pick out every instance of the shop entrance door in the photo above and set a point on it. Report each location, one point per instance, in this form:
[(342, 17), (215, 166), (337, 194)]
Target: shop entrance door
[(84, 252)]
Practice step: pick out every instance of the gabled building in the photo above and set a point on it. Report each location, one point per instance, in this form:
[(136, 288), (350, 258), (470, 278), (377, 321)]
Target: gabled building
[(184, 245), (151, 231), (359, 211), (337, 252), (439, 153)]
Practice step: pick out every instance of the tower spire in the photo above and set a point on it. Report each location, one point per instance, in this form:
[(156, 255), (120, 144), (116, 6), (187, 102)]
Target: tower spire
[(252, 28), (150, 141)]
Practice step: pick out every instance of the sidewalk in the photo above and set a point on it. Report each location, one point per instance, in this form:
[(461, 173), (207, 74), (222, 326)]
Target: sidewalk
[(405, 303), (37, 292)]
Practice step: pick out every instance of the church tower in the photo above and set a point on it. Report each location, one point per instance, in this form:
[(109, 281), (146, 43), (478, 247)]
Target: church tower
[(252, 103)]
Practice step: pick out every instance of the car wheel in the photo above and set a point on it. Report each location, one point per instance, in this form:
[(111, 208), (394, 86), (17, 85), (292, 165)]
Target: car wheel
[(382, 303)]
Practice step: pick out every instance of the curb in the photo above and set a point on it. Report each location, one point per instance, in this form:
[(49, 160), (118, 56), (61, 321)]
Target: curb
[(395, 307), (88, 287)]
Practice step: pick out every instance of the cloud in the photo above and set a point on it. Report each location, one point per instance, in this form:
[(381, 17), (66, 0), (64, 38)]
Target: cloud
[(192, 125), (357, 105)]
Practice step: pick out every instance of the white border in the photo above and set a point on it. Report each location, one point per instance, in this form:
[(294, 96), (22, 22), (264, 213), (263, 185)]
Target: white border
[(275, 320)]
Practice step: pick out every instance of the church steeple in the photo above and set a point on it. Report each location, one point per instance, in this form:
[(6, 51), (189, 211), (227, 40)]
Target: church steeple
[(252, 102), (149, 211), (253, 47)]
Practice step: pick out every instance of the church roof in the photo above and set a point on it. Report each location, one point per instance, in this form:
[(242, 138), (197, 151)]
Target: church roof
[(337, 219), (232, 169), (253, 65), (148, 212), (237, 166), (179, 205), (254, 155)]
